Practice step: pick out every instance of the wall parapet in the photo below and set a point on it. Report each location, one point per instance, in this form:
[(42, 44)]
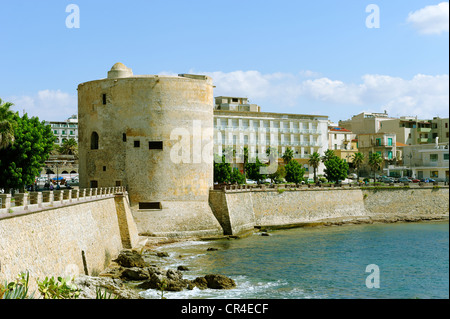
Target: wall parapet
[(21, 203)]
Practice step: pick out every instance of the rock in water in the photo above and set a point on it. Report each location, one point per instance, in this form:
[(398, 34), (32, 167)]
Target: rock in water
[(213, 282), (220, 282), (130, 258)]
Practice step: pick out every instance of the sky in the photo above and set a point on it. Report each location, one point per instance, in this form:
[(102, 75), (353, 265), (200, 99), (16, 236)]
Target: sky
[(322, 57)]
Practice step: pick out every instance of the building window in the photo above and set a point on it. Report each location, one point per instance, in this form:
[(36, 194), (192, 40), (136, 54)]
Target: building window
[(446, 125), (445, 156), (124, 137), (235, 100), (118, 183), (389, 141), (433, 157), (155, 145), (104, 168), (104, 99), (389, 154), (434, 174), (137, 143), (94, 184), (94, 141), (154, 205)]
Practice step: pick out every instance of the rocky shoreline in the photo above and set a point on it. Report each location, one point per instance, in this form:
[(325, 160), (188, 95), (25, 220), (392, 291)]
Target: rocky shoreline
[(129, 274)]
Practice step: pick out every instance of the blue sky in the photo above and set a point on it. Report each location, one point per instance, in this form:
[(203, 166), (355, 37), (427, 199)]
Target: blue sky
[(307, 57)]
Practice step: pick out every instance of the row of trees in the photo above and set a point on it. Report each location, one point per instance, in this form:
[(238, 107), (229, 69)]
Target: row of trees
[(292, 171), (336, 169), (25, 144)]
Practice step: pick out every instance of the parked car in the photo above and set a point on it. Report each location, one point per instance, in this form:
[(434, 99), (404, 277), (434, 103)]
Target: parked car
[(386, 179), (427, 180), (404, 180), (250, 181), (415, 180)]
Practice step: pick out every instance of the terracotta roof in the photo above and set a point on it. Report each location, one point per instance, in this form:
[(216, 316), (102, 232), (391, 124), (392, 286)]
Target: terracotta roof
[(398, 144)]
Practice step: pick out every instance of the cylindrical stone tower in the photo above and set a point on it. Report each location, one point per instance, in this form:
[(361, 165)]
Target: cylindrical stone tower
[(152, 134)]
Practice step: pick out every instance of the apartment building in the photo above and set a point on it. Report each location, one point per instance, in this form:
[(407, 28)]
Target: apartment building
[(428, 161), (64, 130), (343, 142), (239, 124)]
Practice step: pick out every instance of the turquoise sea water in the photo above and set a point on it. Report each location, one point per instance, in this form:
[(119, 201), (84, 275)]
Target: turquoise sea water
[(413, 262)]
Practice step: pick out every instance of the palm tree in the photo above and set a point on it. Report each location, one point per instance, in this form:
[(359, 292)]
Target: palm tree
[(69, 147), (375, 161), (314, 161), (6, 124), (288, 155), (358, 159)]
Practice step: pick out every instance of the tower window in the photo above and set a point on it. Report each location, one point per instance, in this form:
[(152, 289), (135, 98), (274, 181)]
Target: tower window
[(94, 141), (104, 168), (137, 143), (155, 145), (104, 99), (124, 137)]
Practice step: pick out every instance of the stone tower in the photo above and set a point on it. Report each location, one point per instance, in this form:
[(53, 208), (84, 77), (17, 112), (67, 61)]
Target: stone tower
[(133, 130)]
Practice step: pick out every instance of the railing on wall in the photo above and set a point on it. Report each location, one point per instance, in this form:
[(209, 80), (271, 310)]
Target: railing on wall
[(21, 202)]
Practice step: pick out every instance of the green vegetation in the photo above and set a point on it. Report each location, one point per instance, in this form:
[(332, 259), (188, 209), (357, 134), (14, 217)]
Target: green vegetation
[(25, 146), (335, 168), (49, 288), (253, 171), (294, 172), (314, 162), (375, 161), (358, 160)]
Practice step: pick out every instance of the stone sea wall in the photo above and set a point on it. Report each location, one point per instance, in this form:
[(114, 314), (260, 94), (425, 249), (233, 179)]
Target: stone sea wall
[(242, 210), (79, 238)]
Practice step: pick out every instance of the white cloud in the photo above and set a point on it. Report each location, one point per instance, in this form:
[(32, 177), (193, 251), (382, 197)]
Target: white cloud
[(423, 95), (48, 105), (430, 19)]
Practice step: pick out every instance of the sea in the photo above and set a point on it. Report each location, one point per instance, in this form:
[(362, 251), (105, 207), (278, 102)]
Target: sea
[(373, 261)]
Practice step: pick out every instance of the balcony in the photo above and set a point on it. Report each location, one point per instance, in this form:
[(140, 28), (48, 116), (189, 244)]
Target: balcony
[(424, 129), (422, 140)]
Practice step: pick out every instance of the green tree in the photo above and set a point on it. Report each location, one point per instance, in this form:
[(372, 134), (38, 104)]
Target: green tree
[(237, 177), (222, 170), (375, 161), (328, 154), (6, 125), (253, 170), (294, 172), (278, 176), (288, 155), (358, 160), (22, 161), (335, 169), (69, 147), (314, 161)]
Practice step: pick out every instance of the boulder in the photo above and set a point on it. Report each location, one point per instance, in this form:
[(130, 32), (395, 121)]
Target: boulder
[(135, 273), (162, 254), (130, 258), (213, 282), (182, 268)]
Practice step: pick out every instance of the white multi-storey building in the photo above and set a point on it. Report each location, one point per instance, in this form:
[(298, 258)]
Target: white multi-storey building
[(65, 130), (239, 124)]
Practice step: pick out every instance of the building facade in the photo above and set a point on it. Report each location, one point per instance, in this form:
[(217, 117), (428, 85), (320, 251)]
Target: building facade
[(343, 142), (65, 130), (258, 131)]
